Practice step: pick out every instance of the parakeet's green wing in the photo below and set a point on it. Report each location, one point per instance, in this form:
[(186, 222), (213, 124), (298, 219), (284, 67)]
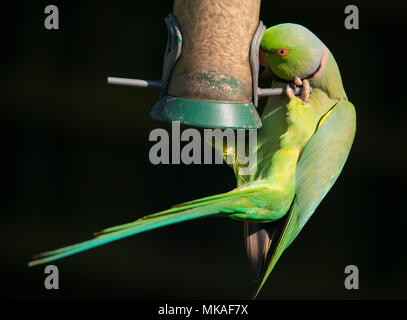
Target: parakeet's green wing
[(319, 166)]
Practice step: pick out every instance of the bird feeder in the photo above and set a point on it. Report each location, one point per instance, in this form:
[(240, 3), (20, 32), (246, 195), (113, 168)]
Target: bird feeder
[(211, 65)]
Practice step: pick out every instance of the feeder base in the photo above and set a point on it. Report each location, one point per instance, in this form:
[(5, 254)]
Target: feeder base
[(198, 113)]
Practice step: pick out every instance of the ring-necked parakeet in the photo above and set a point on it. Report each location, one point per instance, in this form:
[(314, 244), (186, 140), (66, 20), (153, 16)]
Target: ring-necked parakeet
[(302, 147)]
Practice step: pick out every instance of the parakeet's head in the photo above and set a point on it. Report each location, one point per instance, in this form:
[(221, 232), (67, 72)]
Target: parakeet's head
[(292, 50)]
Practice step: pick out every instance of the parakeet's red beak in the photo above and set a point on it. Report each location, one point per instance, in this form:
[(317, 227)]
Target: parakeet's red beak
[(266, 73), (263, 61)]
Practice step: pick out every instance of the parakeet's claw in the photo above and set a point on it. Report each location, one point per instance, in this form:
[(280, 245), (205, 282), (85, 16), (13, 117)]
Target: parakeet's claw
[(306, 90), (297, 81), (289, 92)]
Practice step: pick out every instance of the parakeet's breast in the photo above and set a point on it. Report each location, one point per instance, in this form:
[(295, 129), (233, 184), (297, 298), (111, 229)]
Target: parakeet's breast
[(275, 119)]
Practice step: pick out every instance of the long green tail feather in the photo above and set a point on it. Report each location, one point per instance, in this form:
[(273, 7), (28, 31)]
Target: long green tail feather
[(190, 210)]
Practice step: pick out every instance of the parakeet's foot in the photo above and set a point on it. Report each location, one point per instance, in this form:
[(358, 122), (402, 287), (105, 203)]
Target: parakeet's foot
[(306, 91), (297, 81), (305, 94), (289, 92)]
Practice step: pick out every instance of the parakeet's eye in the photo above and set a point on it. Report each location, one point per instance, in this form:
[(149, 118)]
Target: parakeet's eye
[(282, 52)]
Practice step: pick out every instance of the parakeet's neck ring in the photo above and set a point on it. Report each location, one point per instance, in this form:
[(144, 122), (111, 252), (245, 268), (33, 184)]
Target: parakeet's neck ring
[(317, 72)]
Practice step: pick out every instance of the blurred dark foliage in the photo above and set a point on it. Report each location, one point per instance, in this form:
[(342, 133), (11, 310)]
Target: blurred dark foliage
[(75, 160)]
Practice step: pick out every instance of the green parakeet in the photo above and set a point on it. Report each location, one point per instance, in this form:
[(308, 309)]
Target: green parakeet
[(302, 147)]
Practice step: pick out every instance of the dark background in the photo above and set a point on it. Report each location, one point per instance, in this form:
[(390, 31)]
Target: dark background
[(75, 154)]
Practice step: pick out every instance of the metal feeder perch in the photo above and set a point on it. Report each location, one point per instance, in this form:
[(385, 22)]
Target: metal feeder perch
[(211, 65)]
